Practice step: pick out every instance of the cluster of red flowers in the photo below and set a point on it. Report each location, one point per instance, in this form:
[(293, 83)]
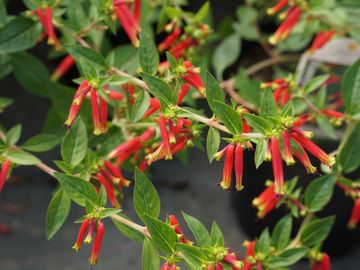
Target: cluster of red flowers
[(130, 21), (174, 223), (292, 16), (45, 17), (191, 76), (282, 90), (174, 138), (177, 43), (5, 167), (266, 201), (99, 106), (92, 226)]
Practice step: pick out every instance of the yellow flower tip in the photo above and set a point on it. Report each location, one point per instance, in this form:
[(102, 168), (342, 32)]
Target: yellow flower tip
[(270, 11), (224, 184), (239, 187), (351, 225), (273, 40), (290, 161), (256, 202), (97, 131), (76, 247)]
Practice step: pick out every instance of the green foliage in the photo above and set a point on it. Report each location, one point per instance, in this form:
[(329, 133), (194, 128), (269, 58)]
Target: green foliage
[(146, 198), (316, 231), (75, 144), (319, 192), (212, 143), (57, 212)]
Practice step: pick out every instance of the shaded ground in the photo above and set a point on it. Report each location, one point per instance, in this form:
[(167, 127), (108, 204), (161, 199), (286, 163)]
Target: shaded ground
[(191, 189)]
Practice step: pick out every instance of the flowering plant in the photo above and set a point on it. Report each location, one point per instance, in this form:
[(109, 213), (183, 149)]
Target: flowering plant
[(135, 104)]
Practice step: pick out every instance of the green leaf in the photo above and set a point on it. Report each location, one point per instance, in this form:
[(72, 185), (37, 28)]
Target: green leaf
[(3, 13), (57, 213), (281, 235), (18, 35), (149, 57), (326, 127), (13, 135), (263, 243), (319, 192), (212, 142), (31, 73), (260, 152), (350, 87), (22, 158), (268, 106), (158, 88), (5, 102), (193, 256), (75, 143), (125, 58), (230, 118), (163, 235), (79, 190), (287, 258), (203, 11), (226, 54), (140, 106), (349, 155), (41, 143), (317, 231), (258, 123), (217, 238), (150, 256), (87, 55), (288, 109), (199, 231), (146, 198), (213, 91), (128, 231), (315, 83)]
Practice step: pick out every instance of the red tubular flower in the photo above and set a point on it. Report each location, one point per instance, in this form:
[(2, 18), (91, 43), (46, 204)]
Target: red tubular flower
[(168, 266), (287, 149), (78, 100), (321, 39), (275, 9), (301, 120), (94, 98), (114, 95), (97, 243), (324, 264), (266, 201), (90, 233), (178, 50), (165, 137), (231, 259), (137, 10), (228, 166), (154, 107), (355, 215), (128, 22), (193, 78), (277, 166), (239, 166), (115, 171), (286, 26), (250, 252), (305, 160), (45, 17), (4, 229), (333, 114), (128, 146), (313, 149), (219, 266), (64, 66), (5, 167), (174, 223), (110, 191), (81, 234), (169, 40), (182, 93)]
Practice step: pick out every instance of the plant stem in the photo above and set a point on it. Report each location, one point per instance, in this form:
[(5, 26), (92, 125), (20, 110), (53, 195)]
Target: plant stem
[(142, 229), (212, 123), (296, 241)]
